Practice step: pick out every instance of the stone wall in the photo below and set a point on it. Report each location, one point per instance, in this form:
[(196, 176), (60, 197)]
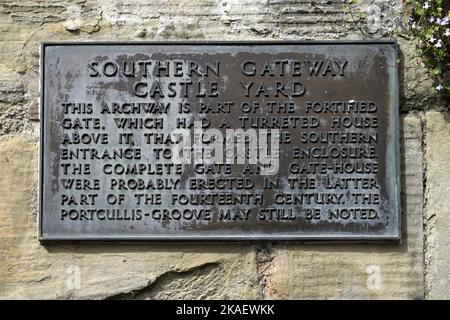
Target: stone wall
[(416, 269)]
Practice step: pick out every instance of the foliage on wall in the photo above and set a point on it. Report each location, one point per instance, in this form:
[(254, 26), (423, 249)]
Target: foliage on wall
[(429, 23)]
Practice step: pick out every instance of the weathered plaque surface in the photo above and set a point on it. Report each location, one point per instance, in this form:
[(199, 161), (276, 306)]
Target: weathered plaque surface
[(219, 141)]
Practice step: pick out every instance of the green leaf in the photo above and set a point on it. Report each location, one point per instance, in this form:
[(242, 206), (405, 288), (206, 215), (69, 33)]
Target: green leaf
[(436, 71)]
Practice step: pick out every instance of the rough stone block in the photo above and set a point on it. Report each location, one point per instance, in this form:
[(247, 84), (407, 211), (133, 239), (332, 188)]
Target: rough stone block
[(437, 212)]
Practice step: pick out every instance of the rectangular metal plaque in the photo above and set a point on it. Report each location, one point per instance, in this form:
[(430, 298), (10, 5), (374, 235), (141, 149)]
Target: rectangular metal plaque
[(219, 141)]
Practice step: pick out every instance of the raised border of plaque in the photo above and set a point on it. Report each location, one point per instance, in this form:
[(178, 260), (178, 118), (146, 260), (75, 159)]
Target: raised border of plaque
[(393, 231)]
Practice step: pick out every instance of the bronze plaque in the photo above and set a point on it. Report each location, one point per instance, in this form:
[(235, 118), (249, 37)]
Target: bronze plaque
[(219, 141)]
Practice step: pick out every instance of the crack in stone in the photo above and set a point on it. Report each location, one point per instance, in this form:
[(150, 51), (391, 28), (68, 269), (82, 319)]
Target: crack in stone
[(428, 221), (264, 269), (166, 277)]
